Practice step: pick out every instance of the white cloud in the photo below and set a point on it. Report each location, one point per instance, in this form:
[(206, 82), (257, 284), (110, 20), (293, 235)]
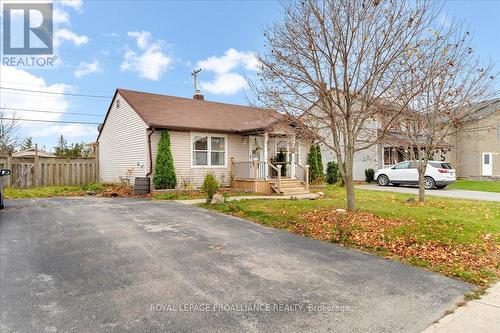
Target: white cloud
[(75, 4), (69, 131), (60, 16), (17, 78), (226, 81), (225, 84), (142, 38), (231, 59), (151, 61), (67, 35), (86, 68), (111, 35)]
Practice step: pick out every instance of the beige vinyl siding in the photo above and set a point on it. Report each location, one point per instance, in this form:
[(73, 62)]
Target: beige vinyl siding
[(470, 143), (122, 144), (180, 143)]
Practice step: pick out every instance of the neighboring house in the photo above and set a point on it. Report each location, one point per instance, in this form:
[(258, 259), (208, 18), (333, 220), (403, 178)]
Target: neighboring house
[(474, 151), (383, 154), (31, 153), (238, 144)]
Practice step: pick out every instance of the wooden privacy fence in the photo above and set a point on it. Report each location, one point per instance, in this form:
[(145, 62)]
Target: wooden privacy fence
[(47, 171)]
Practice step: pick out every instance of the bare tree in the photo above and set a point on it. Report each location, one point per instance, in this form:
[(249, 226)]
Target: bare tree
[(8, 133), (333, 66), (452, 81)]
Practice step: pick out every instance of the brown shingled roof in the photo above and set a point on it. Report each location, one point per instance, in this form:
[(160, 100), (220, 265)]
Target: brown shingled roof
[(161, 111)]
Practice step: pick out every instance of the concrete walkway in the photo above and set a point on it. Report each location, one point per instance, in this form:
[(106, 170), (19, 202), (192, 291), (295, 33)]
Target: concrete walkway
[(482, 315), (448, 193), (254, 197)]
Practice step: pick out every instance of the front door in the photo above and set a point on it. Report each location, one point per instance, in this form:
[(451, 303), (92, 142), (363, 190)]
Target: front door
[(256, 153), (487, 164), (256, 148)]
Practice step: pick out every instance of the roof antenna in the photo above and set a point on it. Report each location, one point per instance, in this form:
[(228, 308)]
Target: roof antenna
[(197, 93)]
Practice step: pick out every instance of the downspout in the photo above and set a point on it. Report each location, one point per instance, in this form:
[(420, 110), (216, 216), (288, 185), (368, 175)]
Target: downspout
[(150, 153)]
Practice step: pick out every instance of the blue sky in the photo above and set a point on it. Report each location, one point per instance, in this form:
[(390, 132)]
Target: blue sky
[(154, 45)]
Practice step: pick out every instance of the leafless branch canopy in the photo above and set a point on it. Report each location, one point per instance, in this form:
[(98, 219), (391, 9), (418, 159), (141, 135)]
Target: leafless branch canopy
[(8, 133), (334, 65)]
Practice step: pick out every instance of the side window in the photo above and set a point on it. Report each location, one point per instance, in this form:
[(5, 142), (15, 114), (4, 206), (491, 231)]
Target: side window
[(403, 165)]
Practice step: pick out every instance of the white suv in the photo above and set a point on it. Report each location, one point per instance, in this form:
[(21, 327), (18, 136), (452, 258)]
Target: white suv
[(437, 175)]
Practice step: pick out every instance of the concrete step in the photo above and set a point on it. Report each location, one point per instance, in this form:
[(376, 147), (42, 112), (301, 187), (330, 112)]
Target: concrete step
[(288, 185), (291, 190), (294, 182)]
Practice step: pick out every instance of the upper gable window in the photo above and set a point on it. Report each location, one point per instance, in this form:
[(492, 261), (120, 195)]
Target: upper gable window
[(117, 103)]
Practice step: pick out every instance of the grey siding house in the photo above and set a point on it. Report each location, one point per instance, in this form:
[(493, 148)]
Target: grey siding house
[(476, 151)]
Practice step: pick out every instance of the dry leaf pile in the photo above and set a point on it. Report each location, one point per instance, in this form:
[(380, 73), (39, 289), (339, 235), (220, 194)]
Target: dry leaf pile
[(373, 233)]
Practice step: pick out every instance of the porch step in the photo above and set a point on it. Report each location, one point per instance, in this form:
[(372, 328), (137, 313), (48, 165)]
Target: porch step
[(290, 187)]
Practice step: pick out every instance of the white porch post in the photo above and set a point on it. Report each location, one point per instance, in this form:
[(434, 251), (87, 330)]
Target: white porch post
[(292, 162), (266, 167)]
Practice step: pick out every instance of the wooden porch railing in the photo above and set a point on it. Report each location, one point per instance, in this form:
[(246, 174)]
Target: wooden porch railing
[(302, 174), (277, 168), (248, 170)]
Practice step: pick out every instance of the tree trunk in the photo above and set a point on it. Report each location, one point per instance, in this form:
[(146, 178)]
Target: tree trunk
[(421, 185), (349, 183)]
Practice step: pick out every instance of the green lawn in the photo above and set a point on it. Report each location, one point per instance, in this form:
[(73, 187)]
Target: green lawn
[(476, 185), (43, 192), (186, 195), (100, 188), (469, 228), (58, 191)]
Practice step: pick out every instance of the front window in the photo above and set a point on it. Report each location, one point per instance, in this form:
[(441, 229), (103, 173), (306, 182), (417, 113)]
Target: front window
[(209, 150), (392, 156), (218, 150), (200, 150)]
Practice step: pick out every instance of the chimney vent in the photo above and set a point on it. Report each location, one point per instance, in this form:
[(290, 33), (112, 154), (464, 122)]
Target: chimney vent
[(197, 95)]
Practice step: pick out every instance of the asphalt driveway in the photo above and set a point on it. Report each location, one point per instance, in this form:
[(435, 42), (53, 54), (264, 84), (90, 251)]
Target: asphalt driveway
[(114, 265), (445, 192)]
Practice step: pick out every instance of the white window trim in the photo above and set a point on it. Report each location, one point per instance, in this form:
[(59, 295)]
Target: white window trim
[(209, 150)]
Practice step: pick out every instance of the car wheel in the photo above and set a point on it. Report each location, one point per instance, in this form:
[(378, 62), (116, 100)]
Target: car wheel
[(429, 183), (383, 180)]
